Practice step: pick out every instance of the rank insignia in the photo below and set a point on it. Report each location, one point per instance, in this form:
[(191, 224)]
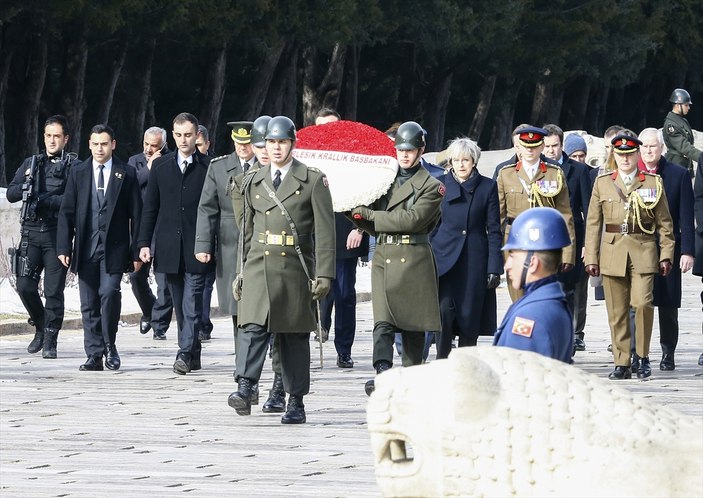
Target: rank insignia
[(523, 326), (670, 129)]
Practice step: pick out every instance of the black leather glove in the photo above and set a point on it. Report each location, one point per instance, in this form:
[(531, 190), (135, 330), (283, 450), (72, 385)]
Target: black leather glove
[(493, 281)]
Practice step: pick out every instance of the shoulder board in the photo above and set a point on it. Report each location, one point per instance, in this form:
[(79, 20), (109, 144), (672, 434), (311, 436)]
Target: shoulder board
[(316, 170), (509, 165), (604, 173), (218, 158), (551, 165), (647, 173)]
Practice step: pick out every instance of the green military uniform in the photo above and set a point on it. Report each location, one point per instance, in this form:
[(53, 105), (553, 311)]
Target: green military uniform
[(678, 138), (216, 232), (276, 293), (629, 256), (403, 271), (517, 193)]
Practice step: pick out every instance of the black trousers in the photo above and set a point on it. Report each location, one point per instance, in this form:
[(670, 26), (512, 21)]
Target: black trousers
[(668, 328), (293, 353), (141, 290), (343, 297), (41, 253), (101, 303), (162, 310)]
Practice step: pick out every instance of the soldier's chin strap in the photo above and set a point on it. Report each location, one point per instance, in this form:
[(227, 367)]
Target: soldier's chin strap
[(525, 267)]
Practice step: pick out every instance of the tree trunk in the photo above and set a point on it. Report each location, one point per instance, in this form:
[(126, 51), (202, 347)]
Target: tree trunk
[(142, 87), (485, 97), (258, 89), (72, 102), (351, 84), (552, 112), (281, 98), (116, 71), (214, 92), (35, 71), (436, 110), (6, 53), (574, 115), (406, 96), (540, 103), (595, 118), (504, 114), (326, 94)]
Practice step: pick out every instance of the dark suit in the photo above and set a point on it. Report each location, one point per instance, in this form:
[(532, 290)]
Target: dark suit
[(170, 214), (466, 245), (343, 293), (100, 262), (575, 281), (667, 290)]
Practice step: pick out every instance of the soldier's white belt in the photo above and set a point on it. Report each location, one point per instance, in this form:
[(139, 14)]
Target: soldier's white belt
[(273, 239), (402, 239)]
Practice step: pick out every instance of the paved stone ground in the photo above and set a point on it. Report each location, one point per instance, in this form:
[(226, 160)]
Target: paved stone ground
[(144, 431)]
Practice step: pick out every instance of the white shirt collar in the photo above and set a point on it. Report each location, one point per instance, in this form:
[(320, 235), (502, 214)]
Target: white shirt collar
[(188, 159), (284, 170), (107, 168)]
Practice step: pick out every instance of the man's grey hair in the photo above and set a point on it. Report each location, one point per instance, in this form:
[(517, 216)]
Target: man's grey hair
[(652, 131), (155, 130), (203, 131)]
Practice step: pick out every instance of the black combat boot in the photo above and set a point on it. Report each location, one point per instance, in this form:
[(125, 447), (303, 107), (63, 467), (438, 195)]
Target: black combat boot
[(50, 338), (381, 366), (276, 403), (240, 399), (295, 413), (37, 343)]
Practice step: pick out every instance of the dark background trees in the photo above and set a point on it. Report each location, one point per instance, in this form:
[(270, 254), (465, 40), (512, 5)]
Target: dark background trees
[(460, 68)]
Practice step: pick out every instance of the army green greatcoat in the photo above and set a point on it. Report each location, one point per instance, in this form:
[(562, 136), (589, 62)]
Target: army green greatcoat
[(678, 138), (216, 232), (276, 289), (404, 276)]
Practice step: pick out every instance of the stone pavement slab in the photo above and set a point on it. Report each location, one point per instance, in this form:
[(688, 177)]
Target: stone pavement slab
[(144, 430)]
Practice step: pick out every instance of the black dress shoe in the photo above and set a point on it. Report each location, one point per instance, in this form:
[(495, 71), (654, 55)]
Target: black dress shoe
[(645, 370), (182, 364), (144, 325), (37, 342), (112, 358), (93, 364), (610, 348), (295, 412), (700, 360), (635, 362), (276, 402), (195, 364), (620, 373), (240, 399), (579, 345), (344, 360), (159, 335), (667, 363)]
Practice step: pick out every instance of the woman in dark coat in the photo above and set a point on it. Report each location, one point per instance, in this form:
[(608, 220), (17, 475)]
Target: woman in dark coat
[(466, 244)]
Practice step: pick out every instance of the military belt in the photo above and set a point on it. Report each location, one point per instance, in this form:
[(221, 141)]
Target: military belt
[(627, 228), (273, 239), (402, 239)]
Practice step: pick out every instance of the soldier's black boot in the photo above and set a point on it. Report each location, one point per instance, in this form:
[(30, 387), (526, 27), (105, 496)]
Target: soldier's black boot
[(295, 412), (276, 402), (37, 342), (381, 366), (255, 394), (50, 338), (240, 399)]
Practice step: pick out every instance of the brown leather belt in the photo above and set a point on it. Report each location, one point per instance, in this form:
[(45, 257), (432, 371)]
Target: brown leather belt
[(626, 228)]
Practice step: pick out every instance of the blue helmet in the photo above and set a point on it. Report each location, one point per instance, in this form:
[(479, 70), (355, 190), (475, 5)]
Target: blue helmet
[(538, 229)]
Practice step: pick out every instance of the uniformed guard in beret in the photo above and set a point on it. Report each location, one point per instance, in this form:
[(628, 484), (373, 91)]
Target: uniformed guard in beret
[(216, 232), (628, 212), (677, 132), (403, 274), (287, 205), (533, 182)]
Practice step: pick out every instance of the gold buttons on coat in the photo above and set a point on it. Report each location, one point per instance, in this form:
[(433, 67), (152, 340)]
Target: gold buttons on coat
[(402, 260), (266, 253), (257, 196), (388, 261), (297, 192), (283, 254)]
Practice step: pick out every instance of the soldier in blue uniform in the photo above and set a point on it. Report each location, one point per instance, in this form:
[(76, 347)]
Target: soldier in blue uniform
[(540, 320)]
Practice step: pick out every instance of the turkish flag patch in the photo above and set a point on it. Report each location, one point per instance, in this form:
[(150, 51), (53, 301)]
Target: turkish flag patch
[(523, 326), (442, 189)]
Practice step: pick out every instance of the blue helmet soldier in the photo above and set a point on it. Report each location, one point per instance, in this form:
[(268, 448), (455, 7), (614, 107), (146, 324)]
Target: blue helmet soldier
[(540, 320)]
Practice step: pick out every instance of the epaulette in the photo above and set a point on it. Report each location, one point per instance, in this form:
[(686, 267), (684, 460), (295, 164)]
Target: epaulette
[(510, 165), (316, 170), (604, 173), (218, 158)]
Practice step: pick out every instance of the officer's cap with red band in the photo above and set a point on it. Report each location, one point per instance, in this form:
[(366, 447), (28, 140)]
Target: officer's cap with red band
[(625, 144), (531, 136)]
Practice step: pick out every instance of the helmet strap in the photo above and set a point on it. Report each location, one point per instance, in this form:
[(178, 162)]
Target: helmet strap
[(525, 268)]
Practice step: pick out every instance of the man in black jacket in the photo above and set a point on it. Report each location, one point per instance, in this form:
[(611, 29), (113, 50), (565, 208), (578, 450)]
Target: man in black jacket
[(97, 228), (156, 310), (170, 213), (43, 188)]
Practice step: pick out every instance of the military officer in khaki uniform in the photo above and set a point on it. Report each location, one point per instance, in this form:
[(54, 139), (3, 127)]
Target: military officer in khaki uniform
[(286, 206), (216, 232), (628, 210), (677, 132), (533, 182), (403, 273)]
